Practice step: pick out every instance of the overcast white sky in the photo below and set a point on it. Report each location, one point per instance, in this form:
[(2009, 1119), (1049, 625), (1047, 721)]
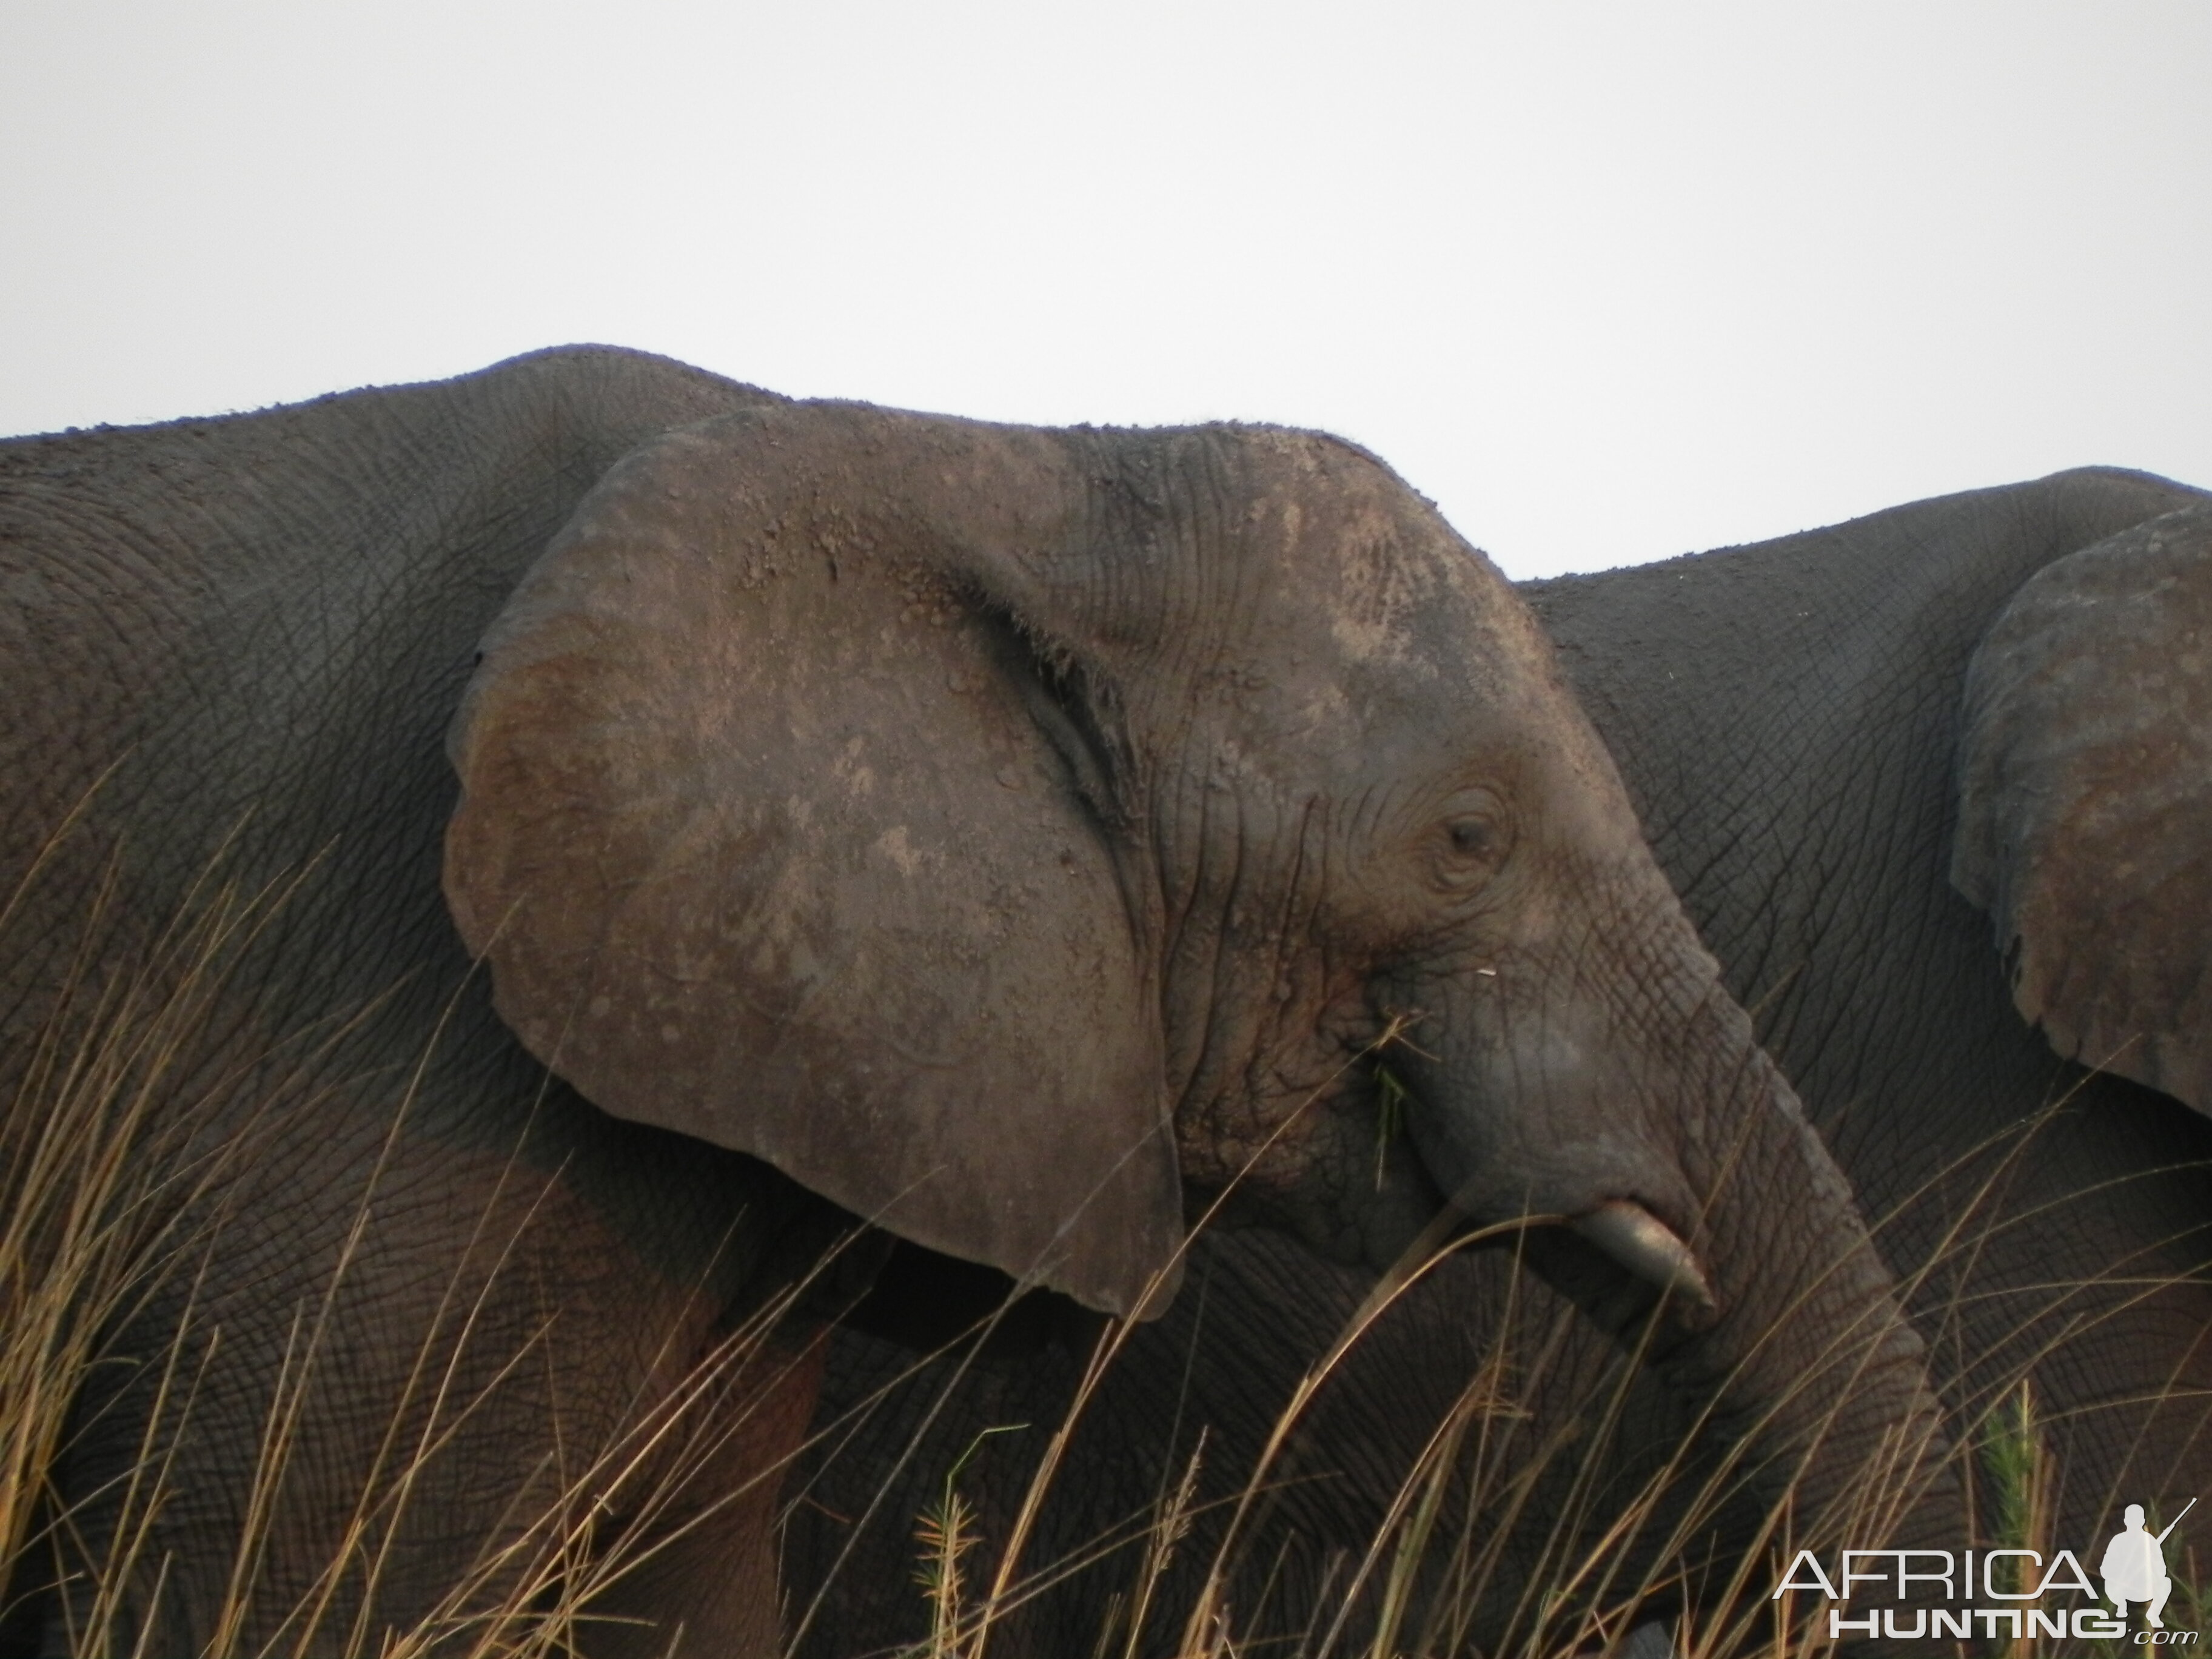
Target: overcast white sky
[(1610, 282)]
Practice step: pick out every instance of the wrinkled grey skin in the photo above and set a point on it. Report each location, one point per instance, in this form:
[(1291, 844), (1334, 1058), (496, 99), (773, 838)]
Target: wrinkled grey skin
[(1793, 721), (1803, 725), (1017, 837)]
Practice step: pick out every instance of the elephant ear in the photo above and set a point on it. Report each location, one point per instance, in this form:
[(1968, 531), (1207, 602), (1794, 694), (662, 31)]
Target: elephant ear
[(781, 825), (2085, 801)]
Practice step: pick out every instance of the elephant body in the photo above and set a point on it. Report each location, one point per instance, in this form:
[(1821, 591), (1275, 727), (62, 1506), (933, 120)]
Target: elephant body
[(557, 868), (273, 619), (1794, 720), (1790, 719)]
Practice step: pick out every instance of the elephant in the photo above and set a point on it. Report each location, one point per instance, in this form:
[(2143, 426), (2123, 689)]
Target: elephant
[(629, 846), (1934, 786)]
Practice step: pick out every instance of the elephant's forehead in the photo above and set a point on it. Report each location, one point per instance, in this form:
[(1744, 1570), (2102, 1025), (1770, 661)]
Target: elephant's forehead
[(1375, 589), (1347, 627), (1369, 648), (1406, 603), (1342, 725)]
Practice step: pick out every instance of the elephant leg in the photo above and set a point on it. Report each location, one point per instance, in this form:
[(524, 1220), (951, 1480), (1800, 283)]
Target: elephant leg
[(703, 1538)]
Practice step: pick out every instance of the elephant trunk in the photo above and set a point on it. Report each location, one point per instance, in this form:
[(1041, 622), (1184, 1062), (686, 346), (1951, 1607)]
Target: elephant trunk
[(1804, 1347), (1637, 1105)]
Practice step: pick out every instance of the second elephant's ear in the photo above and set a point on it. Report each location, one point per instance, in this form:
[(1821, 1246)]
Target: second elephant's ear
[(782, 825), (2085, 819)]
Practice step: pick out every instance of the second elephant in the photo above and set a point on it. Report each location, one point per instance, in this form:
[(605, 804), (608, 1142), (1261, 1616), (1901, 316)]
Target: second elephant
[(1923, 779)]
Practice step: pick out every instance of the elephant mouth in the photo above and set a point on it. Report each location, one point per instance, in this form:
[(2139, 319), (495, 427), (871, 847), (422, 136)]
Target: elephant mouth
[(1638, 1242)]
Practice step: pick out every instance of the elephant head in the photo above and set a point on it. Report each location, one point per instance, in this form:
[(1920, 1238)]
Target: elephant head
[(1020, 836)]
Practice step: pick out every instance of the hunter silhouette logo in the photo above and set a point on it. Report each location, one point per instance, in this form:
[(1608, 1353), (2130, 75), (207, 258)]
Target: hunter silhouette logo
[(2133, 1568)]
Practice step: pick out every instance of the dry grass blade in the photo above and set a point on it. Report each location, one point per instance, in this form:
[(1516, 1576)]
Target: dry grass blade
[(130, 1107), (97, 1169), (1169, 1528)]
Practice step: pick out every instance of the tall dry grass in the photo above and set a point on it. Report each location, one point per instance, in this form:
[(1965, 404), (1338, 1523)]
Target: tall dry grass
[(117, 1143), (95, 1174), (1436, 1576), (128, 1116)]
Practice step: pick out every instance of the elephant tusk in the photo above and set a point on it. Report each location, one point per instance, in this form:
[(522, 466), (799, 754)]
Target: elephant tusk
[(1647, 1248)]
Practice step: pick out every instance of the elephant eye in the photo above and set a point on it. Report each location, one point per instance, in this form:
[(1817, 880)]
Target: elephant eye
[(1473, 838)]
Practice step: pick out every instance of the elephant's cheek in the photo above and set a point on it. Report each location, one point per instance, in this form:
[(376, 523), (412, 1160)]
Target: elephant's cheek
[(1345, 1185)]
